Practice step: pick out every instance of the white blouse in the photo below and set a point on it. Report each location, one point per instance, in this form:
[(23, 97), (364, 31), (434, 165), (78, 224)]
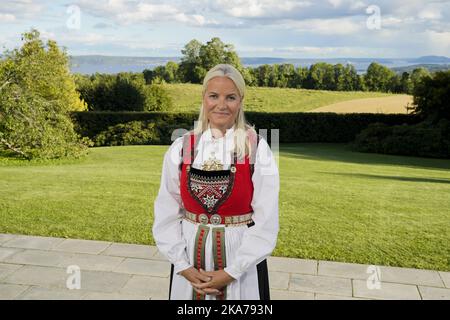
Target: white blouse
[(258, 241)]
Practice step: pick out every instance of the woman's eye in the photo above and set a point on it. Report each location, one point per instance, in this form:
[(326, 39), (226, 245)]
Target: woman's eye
[(232, 98), (213, 96)]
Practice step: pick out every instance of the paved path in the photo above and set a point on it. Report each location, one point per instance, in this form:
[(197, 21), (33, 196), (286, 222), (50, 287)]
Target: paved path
[(37, 268)]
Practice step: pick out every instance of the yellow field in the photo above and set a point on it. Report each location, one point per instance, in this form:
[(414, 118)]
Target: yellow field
[(392, 104)]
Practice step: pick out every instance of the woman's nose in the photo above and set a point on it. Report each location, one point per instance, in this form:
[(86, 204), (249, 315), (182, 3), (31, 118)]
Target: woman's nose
[(222, 103)]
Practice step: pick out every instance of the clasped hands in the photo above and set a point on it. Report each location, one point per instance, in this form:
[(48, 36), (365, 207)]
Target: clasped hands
[(207, 282)]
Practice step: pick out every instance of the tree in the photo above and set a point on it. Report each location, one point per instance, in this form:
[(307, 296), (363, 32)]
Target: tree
[(263, 75), (159, 72), (299, 78), (198, 59), (171, 72), (352, 81), (124, 91), (285, 74), (417, 75), (395, 84), (339, 77), (321, 77), (128, 92), (216, 52), (406, 84), (37, 94), (249, 76), (432, 96), (273, 75), (190, 59), (378, 77)]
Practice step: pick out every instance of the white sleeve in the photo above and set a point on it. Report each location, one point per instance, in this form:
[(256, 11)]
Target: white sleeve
[(260, 240), (166, 228)]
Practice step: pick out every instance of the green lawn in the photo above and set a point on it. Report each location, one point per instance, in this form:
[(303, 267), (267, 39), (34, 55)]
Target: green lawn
[(334, 204), (187, 97)]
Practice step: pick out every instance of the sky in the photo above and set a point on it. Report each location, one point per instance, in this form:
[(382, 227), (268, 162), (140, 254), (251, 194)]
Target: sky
[(256, 28)]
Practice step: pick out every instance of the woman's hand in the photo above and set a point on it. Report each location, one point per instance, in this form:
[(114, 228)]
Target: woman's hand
[(195, 278), (218, 280)]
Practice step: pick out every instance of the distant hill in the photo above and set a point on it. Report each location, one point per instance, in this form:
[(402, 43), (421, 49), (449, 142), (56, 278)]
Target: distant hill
[(431, 59), (430, 67)]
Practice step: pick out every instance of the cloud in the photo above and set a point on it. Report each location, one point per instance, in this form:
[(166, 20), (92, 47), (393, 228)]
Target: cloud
[(259, 8), (438, 42), (309, 51), (131, 12), (20, 8), (102, 25), (7, 17), (340, 26)]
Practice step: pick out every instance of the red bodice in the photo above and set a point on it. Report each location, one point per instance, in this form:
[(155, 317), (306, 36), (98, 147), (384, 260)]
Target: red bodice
[(224, 192)]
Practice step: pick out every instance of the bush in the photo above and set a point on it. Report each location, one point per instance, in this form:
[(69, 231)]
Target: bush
[(158, 99), (122, 92), (414, 140), (130, 133)]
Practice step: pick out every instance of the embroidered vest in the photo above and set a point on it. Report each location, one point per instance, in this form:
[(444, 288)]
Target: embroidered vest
[(225, 192)]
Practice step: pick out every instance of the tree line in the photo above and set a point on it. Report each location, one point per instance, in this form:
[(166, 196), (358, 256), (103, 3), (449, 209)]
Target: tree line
[(198, 58)]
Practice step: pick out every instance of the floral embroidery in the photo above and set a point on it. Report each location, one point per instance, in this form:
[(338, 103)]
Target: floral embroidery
[(210, 188), (210, 201), (196, 187)]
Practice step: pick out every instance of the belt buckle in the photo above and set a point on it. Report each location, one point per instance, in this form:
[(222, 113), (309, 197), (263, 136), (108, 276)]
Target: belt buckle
[(203, 218), (215, 219)]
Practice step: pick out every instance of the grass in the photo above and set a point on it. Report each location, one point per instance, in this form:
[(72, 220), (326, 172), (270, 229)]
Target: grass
[(335, 204), (187, 98)]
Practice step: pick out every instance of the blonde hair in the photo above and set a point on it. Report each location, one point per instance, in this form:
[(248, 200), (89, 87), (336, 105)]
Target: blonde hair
[(242, 145)]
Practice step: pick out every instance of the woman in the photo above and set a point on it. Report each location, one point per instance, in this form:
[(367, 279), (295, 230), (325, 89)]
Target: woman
[(216, 213)]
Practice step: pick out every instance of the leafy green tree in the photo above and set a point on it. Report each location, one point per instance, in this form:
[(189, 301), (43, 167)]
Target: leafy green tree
[(168, 73), (406, 83), (37, 94), (417, 75), (273, 75), (395, 84), (299, 78), (378, 78), (351, 79), (128, 92), (157, 72), (124, 91), (171, 72), (216, 52), (432, 96), (189, 61), (321, 77), (263, 75), (339, 77), (250, 76), (198, 59), (286, 72)]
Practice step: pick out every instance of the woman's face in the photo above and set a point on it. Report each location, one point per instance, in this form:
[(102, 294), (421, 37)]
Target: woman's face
[(221, 102)]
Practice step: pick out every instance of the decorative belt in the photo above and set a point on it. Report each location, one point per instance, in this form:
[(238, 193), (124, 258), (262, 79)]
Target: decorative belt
[(216, 219)]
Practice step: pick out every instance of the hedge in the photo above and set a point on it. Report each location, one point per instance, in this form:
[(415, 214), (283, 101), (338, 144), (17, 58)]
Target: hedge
[(294, 127)]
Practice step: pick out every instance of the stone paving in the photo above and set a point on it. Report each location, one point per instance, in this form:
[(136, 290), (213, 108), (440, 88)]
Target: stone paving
[(34, 267)]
